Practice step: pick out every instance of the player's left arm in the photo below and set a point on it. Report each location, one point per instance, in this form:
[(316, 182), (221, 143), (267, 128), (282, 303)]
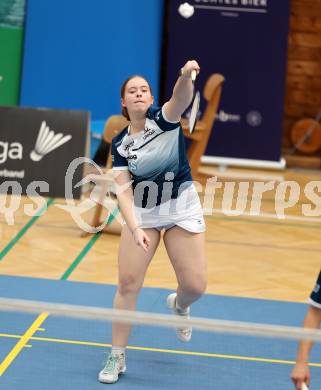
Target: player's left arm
[(182, 93), (301, 372)]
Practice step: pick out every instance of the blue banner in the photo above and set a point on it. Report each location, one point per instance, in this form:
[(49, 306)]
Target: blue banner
[(78, 52), (245, 41)]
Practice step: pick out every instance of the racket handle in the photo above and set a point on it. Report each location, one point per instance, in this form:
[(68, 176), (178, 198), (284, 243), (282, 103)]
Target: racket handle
[(193, 75), (304, 386)]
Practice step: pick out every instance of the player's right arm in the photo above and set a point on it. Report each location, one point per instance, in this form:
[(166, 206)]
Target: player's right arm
[(301, 372), (124, 193), (182, 93)]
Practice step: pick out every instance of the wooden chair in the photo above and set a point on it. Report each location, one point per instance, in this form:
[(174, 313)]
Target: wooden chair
[(199, 138), (113, 126)]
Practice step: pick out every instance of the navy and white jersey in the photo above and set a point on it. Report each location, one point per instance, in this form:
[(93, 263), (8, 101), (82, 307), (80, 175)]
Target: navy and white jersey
[(315, 297), (156, 155)]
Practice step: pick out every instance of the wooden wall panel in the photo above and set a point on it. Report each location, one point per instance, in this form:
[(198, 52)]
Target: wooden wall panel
[(303, 87)]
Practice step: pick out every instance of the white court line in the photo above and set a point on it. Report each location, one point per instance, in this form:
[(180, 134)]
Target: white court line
[(235, 213), (244, 175)]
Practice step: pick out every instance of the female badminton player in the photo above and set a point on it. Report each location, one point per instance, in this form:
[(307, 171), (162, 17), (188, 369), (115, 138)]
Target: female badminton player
[(155, 193), (301, 372)]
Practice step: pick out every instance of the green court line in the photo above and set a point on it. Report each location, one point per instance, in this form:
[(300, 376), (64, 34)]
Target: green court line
[(87, 248), (26, 227), (247, 220)]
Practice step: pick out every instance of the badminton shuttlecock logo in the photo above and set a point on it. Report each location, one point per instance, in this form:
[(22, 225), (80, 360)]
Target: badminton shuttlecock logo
[(254, 118), (186, 10), (47, 141)]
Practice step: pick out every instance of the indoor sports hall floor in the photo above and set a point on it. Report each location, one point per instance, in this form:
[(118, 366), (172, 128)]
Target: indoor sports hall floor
[(261, 269)]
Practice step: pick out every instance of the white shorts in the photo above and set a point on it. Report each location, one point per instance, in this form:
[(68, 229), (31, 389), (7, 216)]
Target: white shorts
[(185, 211)]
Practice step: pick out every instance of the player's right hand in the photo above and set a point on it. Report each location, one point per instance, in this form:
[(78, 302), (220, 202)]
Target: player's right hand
[(300, 374), (189, 67), (141, 239)]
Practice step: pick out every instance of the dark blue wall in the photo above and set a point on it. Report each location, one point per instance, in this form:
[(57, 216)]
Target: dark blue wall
[(78, 52), (249, 49)]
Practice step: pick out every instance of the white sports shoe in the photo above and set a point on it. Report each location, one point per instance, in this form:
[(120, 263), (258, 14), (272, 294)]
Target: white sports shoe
[(115, 365), (184, 334)]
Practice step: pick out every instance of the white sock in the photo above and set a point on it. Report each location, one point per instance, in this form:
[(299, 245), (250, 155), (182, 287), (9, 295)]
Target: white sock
[(180, 309), (116, 351)]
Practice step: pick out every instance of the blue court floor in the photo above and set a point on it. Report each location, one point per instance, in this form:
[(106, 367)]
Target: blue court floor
[(43, 352)]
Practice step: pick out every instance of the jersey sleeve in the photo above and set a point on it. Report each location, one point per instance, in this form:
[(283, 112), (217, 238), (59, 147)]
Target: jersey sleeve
[(315, 297), (157, 114), (118, 162)]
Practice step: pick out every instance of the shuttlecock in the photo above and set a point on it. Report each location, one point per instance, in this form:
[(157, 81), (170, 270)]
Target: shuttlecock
[(186, 10), (47, 141)]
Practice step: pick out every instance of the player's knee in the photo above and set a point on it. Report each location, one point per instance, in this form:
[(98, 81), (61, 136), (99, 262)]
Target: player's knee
[(195, 287), (200, 287), (128, 285)]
